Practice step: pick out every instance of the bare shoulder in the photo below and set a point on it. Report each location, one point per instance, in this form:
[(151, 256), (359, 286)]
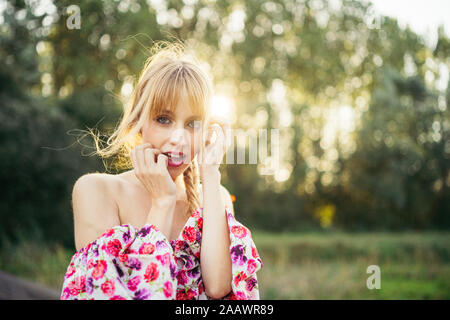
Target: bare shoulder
[(94, 207), (90, 179), (99, 184)]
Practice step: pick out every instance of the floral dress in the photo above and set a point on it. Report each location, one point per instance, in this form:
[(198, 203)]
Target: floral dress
[(126, 263)]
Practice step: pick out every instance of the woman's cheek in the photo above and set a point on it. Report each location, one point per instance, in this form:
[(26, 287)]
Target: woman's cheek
[(195, 144)]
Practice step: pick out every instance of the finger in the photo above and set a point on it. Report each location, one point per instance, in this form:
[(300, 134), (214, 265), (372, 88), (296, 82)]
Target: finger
[(140, 159), (220, 131), (216, 133), (146, 144), (149, 157), (162, 161), (221, 121), (209, 136)]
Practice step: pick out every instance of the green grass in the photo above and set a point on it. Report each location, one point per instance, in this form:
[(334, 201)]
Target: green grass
[(36, 262), (333, 266), (302, 266)]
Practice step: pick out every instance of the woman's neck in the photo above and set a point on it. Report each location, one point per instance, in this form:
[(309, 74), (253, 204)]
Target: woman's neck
[(181, 188)]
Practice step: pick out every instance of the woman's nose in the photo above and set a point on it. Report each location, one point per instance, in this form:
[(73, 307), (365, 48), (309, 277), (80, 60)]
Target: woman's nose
[(179, 136)]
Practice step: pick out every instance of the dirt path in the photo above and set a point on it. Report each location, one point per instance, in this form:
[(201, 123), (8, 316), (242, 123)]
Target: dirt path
[(14, 288)]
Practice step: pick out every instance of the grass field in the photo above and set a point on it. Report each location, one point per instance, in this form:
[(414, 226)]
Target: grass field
[(333, 266), (302, 266)]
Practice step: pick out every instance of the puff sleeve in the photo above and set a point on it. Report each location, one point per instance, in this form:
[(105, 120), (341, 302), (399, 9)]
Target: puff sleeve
[(123, 263), (245, 261)]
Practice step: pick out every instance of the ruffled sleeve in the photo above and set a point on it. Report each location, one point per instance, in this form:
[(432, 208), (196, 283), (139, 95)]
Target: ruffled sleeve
[(123, 263), (245, 262)]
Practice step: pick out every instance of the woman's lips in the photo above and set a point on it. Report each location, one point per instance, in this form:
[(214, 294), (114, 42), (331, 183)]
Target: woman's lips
[(174, 161)]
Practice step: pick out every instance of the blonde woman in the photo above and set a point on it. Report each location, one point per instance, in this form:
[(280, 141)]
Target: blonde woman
[(155, 232)]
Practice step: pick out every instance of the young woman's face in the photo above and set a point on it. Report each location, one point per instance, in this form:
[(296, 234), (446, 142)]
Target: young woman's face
[(175, 133)]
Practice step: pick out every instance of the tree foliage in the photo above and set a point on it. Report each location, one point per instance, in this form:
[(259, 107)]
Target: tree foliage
[(359, 101)]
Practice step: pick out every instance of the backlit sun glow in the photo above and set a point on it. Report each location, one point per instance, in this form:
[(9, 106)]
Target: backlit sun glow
[(222, 108)]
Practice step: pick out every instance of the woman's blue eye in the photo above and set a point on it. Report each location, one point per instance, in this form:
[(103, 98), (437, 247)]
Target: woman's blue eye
[(162, 117), (166, 120), (195, 124)]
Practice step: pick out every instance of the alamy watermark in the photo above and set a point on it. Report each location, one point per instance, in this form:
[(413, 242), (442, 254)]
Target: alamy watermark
[(374, 281), (74, 19), (256, 140)]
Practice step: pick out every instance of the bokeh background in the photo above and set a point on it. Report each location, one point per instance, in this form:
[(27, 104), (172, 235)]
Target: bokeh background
[(361, 101)]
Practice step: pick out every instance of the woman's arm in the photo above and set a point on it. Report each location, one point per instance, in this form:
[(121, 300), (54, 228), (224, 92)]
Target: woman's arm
[(215, 256), (94, 211)]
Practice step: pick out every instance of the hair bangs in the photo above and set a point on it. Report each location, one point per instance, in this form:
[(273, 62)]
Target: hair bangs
[(179, 82)]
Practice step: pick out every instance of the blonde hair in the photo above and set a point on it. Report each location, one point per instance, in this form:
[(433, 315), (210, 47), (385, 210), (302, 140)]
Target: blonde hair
[(169, 72)]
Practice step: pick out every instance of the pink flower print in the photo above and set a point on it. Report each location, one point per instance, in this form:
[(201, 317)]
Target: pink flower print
[(200, 223), (181, 295), (108, 233), (239, 277), (66, 294), (196, 214), (151, 273), (182, 277), (99, 269), (179, 245), (164, 259), (251, 266), (90, 263), (239, 295), (123, 257), (134, 263), (168, 289), (89, 285), (190, 294), (147, 248), (239, 231), (77, 285), (254, 252), (108, 288), (142, 294), (113, 247), (251, 283), (133, 283), (237, 254), (189, 234), (70, 271)]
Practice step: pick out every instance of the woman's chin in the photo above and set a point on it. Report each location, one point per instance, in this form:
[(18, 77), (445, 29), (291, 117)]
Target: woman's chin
[(176, 171)]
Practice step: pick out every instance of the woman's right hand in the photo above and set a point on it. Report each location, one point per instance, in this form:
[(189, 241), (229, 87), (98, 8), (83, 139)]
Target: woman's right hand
[(150, 167)]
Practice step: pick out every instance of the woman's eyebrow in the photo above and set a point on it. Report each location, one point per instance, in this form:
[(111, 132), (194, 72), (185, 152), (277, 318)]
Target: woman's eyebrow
[(194, 116)]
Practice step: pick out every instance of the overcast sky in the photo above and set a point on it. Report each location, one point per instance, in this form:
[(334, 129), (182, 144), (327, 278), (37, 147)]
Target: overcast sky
[(423, 16)]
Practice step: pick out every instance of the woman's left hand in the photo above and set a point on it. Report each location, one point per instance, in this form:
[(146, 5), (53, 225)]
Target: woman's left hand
[(213, 150)]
